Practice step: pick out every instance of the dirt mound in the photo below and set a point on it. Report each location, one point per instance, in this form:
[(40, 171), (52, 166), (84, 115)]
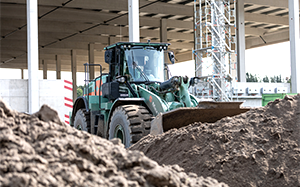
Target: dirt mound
[(257, 148), (39, 153)]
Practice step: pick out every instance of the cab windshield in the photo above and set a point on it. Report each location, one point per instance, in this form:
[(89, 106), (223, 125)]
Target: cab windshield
[(144, 64)]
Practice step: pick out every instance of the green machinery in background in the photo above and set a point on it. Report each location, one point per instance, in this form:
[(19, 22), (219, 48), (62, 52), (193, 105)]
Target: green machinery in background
[(266, 98)]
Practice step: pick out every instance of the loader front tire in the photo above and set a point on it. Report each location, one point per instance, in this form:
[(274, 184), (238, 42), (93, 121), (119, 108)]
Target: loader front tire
[(81, 121), (130, 123)]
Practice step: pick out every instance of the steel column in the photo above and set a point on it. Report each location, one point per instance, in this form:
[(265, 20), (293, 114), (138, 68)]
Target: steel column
[(74, 70), (32, 55), (58, 67), (294, 44), (22, 73), (44, 69), (111, 40), (91, 61), (133, 20), (163, 34), (163, 30), (241, 68)]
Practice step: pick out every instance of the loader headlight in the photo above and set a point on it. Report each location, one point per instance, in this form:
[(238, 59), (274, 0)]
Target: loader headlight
[(121, 79)]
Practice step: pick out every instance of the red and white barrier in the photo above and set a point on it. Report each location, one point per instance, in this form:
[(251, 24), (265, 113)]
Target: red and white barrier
[(68, 100)]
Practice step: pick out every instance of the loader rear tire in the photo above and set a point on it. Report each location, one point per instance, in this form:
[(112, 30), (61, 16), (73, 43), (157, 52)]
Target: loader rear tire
[(130, 123), (82, 120)]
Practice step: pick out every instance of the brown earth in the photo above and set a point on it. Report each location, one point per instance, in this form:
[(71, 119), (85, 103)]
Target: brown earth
[(49, 153), (256, 148)]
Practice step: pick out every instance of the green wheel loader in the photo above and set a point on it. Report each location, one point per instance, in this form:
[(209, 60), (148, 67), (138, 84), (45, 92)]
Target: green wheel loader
[(137, 97)]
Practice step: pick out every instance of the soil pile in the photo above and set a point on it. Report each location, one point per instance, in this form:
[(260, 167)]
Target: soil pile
[(49, 153), (257, 148)]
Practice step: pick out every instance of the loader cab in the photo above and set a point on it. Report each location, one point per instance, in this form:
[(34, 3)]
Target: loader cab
[(139, 62)]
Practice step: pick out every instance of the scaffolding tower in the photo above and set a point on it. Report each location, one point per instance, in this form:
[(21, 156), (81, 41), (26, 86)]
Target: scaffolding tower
[(215, 48)]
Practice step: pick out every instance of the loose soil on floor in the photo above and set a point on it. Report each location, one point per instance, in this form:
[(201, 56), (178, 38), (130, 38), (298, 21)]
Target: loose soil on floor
[(256, 148), (40, 150)]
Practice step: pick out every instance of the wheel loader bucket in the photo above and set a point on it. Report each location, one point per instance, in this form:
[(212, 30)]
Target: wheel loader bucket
[(206, 111)]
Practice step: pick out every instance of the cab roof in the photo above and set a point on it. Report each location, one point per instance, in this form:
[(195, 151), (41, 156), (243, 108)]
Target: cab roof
[(136, 44)]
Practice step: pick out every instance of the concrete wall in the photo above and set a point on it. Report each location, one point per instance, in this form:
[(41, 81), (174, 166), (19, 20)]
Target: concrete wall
[(250, 102), (14, 92), (241, 90), (51, 92), (248, 92)]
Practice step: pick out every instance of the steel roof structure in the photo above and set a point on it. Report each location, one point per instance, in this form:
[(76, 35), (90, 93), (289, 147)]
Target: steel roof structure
[(66, 25)]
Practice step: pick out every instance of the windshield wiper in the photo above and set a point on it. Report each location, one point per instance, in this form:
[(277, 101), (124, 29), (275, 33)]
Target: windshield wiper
[(141, 71)]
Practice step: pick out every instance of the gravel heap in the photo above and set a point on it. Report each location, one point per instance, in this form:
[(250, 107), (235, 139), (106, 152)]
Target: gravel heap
[(40, 150), (257, 148)]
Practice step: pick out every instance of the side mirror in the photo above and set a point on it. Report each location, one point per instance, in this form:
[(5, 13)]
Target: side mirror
[(108, 56), (171, 56)]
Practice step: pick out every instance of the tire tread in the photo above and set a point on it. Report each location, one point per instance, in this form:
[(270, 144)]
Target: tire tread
[(139, 119)]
